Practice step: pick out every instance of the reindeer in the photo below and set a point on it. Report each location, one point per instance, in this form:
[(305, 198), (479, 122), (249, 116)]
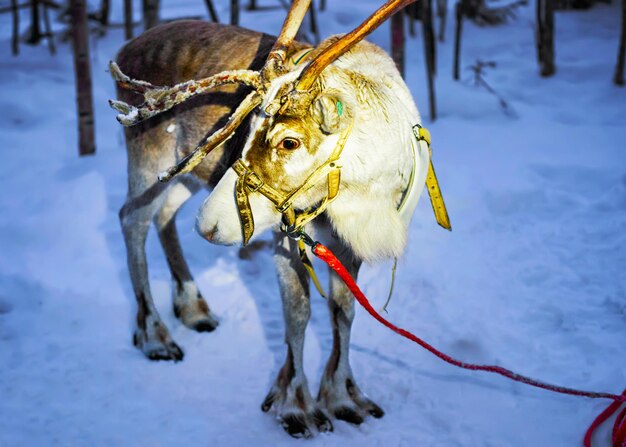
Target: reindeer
[(321, 139)]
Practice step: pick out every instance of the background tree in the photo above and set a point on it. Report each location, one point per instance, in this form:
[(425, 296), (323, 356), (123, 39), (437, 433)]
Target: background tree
[(544, 32), (621, 55)]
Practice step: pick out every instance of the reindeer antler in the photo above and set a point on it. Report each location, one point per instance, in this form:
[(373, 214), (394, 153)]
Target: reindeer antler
[(210, 142), (160, 99), (333, 52), (275, 63)]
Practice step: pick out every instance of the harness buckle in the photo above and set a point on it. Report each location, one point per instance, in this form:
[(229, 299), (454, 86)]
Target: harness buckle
[(283, 207), (253, 181)]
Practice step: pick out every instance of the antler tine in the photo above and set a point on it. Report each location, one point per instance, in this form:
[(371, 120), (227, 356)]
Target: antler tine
[(274, 65), (192, 160), (161, 99), (341, 46), (128, 83)]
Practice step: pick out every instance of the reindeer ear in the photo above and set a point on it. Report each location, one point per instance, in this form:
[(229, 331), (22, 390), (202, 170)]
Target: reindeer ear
[(330, 112)]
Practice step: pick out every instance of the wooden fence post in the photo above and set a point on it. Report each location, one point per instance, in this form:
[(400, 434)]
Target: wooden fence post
[(15, 34), (35, 30), (212, 11), (234, 12), (397, 40), (442, 13), (545, 37), (430, 55), (621, 55), (458, 30), (128, 19), (82, 70), (150, 13)]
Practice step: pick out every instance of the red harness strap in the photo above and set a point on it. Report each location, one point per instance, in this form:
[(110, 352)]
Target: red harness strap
[(619, 429)]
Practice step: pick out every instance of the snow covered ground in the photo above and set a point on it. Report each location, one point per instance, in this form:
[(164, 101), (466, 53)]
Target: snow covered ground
[(532, 277)]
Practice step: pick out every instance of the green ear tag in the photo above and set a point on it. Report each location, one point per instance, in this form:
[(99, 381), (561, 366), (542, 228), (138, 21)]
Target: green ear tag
[(339, 108)]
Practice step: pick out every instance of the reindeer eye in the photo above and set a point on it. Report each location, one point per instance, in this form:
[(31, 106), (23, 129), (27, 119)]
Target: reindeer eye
[(289, 144)]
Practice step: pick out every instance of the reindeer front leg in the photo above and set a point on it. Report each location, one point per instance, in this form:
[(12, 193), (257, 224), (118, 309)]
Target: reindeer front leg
[(339, 392), (290, 396)]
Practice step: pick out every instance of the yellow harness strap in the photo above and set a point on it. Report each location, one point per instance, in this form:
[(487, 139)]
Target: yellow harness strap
[(309, 268), (432, 185)]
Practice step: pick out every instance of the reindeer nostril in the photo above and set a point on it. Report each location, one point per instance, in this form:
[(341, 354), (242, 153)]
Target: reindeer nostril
[(210, 234)]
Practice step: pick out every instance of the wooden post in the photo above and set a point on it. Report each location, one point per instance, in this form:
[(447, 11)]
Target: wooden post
[(212, 11), (545, 37), (397, 40), (128, 19), (322, 5), (442, 13), (313, 19), (458, 30), (80, 44), (48, 30), (413, 16), (429, 53), (234, 12), (430, 45), (252, 5), (15, 36), (35, 31), (105, 7), (150, 13), (621, 55)]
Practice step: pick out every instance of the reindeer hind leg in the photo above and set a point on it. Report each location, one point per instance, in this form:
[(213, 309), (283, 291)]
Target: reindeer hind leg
[(151, 335), (148, 152), (189, 305)]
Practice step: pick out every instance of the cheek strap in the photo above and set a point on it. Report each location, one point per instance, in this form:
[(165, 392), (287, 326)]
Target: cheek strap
[(243, 205)]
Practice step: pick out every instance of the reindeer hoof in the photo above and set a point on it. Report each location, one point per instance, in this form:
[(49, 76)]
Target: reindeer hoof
[(345, 401), (295, 425), (349, 415), (297, 412), (194, 313), (375, 411), (158, 345), (322, 422), (268, 402), (172, 352), (206, 326)]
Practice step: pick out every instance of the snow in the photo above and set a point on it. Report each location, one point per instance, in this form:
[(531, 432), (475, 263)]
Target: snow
[(531, 278)]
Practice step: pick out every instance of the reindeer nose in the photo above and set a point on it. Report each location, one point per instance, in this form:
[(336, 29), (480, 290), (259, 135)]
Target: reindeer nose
[(210, 233)]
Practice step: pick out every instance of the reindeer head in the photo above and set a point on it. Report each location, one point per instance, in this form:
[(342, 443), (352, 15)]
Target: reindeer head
[(289, 171)]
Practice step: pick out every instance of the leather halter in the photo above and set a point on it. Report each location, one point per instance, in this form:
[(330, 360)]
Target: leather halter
[(249, 182)]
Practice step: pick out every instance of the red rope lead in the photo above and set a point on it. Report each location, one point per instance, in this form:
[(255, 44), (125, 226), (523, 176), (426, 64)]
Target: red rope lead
[(619, 428), (619, 431)]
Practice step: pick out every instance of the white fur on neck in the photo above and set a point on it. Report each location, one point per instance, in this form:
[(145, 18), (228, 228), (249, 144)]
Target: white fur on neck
[(377, 160)]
